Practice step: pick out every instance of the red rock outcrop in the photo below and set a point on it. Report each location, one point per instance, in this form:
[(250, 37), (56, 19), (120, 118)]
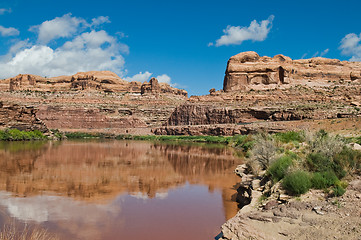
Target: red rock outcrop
[(247, 70), (20, 117), (258, 89), (154, 87), (104, 81)]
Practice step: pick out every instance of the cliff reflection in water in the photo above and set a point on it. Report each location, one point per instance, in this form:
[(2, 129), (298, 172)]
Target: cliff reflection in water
[(99, 172)]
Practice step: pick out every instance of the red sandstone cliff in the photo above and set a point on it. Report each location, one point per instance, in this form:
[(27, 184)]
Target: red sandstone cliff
[(247, 70), (258, 89), (104, 81)]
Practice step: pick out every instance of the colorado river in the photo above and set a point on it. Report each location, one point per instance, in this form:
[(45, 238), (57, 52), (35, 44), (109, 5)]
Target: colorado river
[(118, 189)]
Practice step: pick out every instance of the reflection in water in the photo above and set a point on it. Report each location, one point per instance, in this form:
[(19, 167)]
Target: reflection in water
[(118, 189)]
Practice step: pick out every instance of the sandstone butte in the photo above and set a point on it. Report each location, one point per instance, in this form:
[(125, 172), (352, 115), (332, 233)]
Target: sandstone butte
[(272, 94)]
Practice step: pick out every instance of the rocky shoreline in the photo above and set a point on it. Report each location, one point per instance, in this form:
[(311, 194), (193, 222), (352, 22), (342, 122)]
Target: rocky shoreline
[(314, 215)]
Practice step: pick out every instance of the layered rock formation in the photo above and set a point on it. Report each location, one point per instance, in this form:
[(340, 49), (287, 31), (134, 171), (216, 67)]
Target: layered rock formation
[(104, 81), (247, 70), (259, 89), (154, 87), (95, 101), (20, 117)]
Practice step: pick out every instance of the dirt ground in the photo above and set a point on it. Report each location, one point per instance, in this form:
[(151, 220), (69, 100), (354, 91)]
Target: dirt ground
[(311, 216)]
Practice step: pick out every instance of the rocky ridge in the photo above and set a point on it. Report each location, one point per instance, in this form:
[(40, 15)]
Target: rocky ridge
[(20, 117), (263, 89), (94, 101), (257, 90), (105, 81), (248, 70)]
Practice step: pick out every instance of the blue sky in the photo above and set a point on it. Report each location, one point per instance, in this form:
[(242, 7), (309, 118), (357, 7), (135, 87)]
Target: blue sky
[(185, 43)]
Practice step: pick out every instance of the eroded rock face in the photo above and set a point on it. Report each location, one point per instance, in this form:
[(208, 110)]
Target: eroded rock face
[(248, 69), (154, 87), (201, 114), (23, 82), (20, 117), (104, 81)]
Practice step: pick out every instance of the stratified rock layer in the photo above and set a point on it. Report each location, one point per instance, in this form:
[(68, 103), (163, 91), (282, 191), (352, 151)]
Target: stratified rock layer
[(105, 81), (94, 101), (20, 117), (247, 70)]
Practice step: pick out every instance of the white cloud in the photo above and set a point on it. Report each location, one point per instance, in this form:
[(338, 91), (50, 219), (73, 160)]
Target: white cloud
[(5, 10), (351, 45), (89, 50), (100, 20), (164, 78), (236, 35), (6, 32), (140, 77), (59, 27)]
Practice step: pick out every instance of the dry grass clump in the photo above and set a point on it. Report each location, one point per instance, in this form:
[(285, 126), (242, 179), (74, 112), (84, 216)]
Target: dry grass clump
[(12, 232)]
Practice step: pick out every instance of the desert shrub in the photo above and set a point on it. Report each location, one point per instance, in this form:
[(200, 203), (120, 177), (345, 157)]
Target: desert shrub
[(325, 144), (357, 140), (278, 168), (291, 136), (318, 162), (338, 190), (297, 183), (323, 180), (264, 150), (244, 142), (348, 158)]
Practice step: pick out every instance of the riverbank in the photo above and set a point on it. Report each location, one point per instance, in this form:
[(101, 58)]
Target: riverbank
[(312, 216), (298, 186)]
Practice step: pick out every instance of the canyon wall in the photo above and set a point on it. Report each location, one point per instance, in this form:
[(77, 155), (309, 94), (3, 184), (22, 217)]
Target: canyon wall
[(94, 101), (256, 89), (104, 81), (263, 89)]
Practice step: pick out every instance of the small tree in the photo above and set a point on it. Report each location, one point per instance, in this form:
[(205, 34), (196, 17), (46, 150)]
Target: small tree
[(264, 150)]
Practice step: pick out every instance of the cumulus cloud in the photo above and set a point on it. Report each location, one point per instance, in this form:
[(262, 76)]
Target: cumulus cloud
[(87, 50), (100, 20), (6, 32), (237, 35), (164, 78), (59, 27), (140, 77), (351, 45), (4, 10)]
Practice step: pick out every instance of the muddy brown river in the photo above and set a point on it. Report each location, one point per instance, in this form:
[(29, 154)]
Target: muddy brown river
[(118, 189)]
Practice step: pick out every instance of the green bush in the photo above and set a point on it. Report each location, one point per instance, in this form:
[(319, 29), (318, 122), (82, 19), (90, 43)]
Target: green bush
[(348, 159), (357, 140), (244, 142), (323, 180), (278, 168), (338, 191), (290, 136), (17, 135), (297, 183), (317, 162)]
